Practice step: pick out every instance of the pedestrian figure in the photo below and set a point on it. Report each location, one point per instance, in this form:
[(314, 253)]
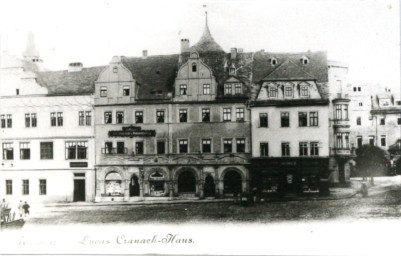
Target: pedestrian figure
[(26, 209), (21, 208), (4, 204)]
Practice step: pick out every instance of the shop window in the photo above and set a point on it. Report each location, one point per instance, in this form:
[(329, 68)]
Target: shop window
[(161, 147), (264, 149), (139, 148), (25, 150), (228, 145), (303, 119), (206, 146), (285, 149), (158, 184), (9, 187), (313, 119), (263, 120), (42, 187), (239, 115), (206, 89), (183, 146), (240, 145), (226, 114), (46, 150), (160, 116), (183, 115), (285, 119), (25, 187), (113, 183), (119, 117), (8, 151), (138, 117), (205, 115), (314, 148), (303, 148)]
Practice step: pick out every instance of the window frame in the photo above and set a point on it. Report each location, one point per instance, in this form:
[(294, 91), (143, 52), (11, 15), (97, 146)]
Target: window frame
[(272, 92), (209, 145), (303, 148), (240, 114), (224, 145), (126, 91), (160, 114), (8, 147), (164, 147), (25, 187), (206, 89), (262, 117), (227, 114), (228, 89), (46, 155), (9, 187), (314, 148), (205, 112), (42, 187), (302, 119), (183, 89), (139, 114), (242, 143), (23, 146), (184, 112), (103, 91), (285, 119), (313, 118), (186, 144), (120, 117), (262, 146), (285, 149), (109, 114)]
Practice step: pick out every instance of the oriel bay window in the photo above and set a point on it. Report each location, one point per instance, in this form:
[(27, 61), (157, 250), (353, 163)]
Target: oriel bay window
[(239, 115), (183, 115), (25, 150), (227, 145), (303, 119), (314, 148), (205, 115), (8, 151), (46, 150), (76, 149), (183, 146), (138, 117), (206, 146), (119, 117), (342, 140), (313, 119), (285, 119), (226, 114), (160, 116), (240, 145), (303, 148), (263, 121)]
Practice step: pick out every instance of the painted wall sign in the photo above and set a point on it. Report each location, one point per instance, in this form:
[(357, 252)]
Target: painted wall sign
[(132, 131)]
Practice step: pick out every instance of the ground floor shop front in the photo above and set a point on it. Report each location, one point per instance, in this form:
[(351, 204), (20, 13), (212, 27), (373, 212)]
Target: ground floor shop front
[(132, 183), (295, 175)]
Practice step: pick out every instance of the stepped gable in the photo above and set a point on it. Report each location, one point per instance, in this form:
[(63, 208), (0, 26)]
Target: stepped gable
[(70, 83), (154, 74)]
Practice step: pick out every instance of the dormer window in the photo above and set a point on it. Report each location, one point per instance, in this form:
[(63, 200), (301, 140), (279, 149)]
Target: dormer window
[(232, 71), (238, 89), (288, 91), (115, 69), (193, 67), (228, 89), (304, 91), (273, 61), (304, 60), (183, 89), (272, 92)]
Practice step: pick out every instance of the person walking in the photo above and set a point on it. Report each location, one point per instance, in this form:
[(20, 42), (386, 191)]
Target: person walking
[(26, 209), (21, 208), (4, 204)]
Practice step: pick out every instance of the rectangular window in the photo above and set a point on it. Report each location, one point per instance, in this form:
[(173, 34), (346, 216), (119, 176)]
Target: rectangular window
[(27, 120), (238, 89), (108, 117), (161, 147), (206, 146), (53, 119), (346, 112), (240, 145), (71, 150), (205, 115), (183, 115), (42, 187), (119, 117), (25, 187), (25, 150), (399, 121), (304, 91), (9, 121), (382, 121), (138, 117), (81, 118), (339, 140), (183, 89), (359, 141), (183, 146), (383, 140), (303, 148), (3, 121), (160, 116), (371, 140), (88, 121), (9, 187), (240, 113), (313, 119), (226, 114), (108, 147), (264, 149), (126, 90), (285, 149), (59, 118), (206, 89), (288, 92), (358, 120), (103, 91), (285, 119), (263, 120), (139, 148), (8, 151), (228, 89), (46, 150), (228, 145), (314, 148), (121, 149), (76, 149), (303, 119), (33, 119), (272, 92)]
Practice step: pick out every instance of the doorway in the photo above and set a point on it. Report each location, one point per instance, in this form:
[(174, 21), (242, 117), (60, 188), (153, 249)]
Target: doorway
[(186, 182), (232, 183), (209, 187), (134, 186), (79, 190)]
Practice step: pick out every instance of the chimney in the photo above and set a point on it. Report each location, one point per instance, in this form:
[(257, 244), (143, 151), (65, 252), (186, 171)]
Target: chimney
[(144, 54), (240, 50), (233, 53), (75, 67), (184, 45)]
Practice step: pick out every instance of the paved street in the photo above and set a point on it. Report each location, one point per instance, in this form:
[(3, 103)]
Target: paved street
[(383, 202)]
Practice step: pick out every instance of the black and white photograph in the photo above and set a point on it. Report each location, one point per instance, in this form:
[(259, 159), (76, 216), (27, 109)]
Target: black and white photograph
[(177, 127)]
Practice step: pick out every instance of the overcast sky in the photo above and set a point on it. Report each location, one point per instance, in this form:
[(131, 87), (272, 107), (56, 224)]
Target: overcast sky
[(364, 34)]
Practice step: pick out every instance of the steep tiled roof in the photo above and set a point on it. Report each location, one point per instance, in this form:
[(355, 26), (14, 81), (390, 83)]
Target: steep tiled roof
[(69, 83), (155, 75)]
